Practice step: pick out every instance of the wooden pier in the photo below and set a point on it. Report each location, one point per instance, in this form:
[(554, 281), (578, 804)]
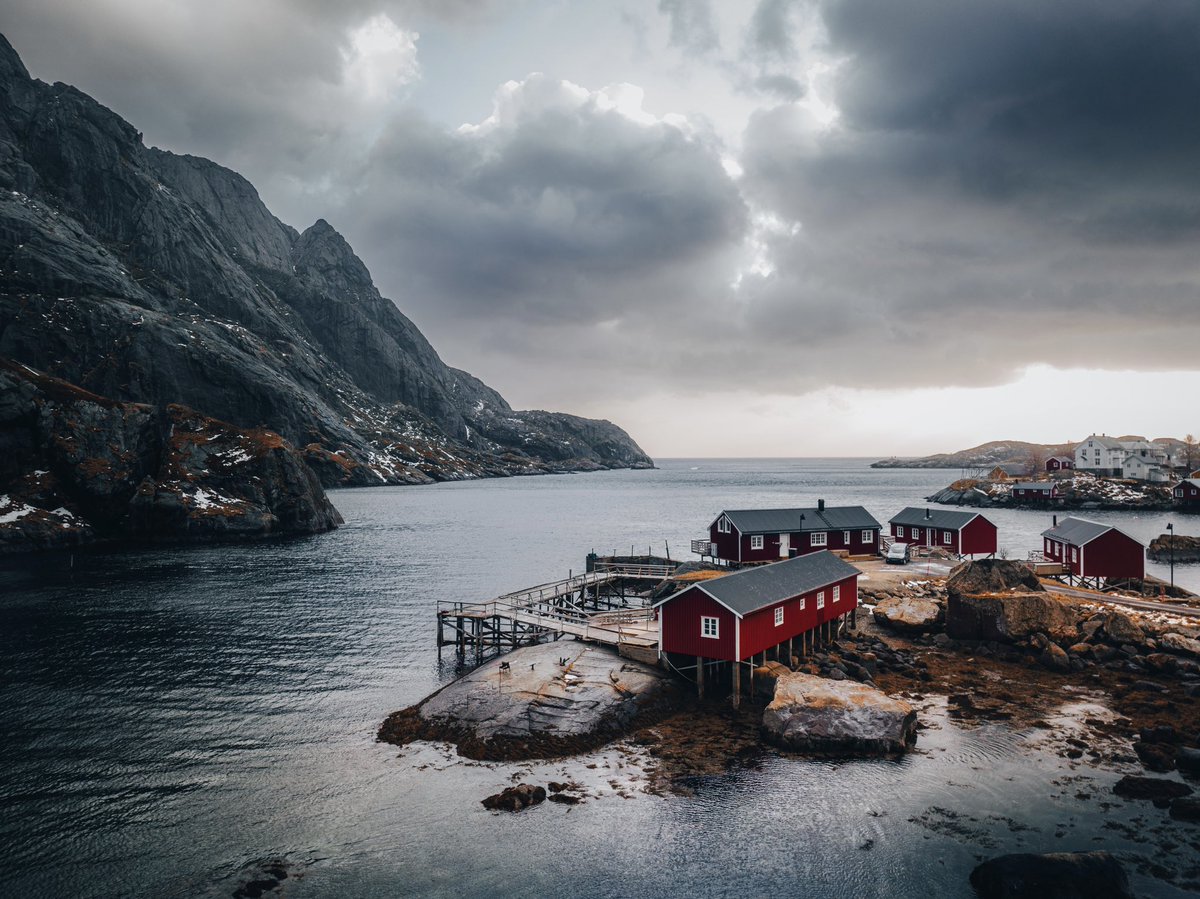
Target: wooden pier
[(600, 606)]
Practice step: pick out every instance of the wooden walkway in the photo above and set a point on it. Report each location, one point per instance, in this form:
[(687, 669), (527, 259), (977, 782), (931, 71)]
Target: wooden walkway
[(591, 606)]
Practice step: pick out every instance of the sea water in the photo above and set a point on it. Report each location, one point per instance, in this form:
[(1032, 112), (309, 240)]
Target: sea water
[(176, 718)]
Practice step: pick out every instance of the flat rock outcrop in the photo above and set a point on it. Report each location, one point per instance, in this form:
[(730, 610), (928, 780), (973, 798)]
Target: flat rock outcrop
[(814, 714), (76, 467), (1179, 548), (908, 615), (1065, 875), (156, 278), (1008, 617), (537, 702)]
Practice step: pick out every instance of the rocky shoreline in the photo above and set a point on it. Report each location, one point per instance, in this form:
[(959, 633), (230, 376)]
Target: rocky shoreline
[(1079, 492), (999, 649), (78, 469)]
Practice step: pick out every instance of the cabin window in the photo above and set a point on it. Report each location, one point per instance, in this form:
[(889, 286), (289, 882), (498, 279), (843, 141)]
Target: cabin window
[(946, 537), (710, 627), (837, 594), (723, 525), (868, 536), (803, 603), (1179, 492), (1074, 553), (779, 616), (846, 537), (821, 599), (820, 539), (756, 542), (899, 530)]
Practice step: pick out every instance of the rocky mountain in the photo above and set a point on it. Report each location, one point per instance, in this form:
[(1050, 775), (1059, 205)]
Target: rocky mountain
[(149, 277), (983, 456), (80, 467)]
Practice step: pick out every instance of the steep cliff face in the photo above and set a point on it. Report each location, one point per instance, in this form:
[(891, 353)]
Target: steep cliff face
[(76, 467), (156, 278)]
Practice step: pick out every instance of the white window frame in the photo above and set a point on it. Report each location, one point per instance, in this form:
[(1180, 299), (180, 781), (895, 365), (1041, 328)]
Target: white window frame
[(947, 540), (820, 599), (778, 616), (846, 537), (868, 536), (803, 603), (837, 594), (710, 627), (722, 525), (818, 538), (899, 530), (1074, 553), (756, 541)]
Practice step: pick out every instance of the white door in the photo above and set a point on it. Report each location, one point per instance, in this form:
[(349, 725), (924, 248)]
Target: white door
[(784, 545)]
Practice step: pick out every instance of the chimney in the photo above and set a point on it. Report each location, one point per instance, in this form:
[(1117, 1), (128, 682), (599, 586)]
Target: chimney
[(1055, 524), (820, 505), (928, 514)]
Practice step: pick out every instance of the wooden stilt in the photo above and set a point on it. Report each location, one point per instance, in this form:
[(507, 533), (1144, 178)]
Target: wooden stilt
[(737, 684), (700, 676)]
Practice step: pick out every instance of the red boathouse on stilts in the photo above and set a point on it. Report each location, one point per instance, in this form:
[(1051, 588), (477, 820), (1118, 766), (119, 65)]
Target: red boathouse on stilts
[(726, 622)]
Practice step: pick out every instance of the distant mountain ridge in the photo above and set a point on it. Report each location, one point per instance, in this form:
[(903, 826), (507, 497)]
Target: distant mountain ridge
[(997, 451), (152, 277)]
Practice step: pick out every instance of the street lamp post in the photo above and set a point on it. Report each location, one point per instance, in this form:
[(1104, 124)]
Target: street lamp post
[(1171, 547)]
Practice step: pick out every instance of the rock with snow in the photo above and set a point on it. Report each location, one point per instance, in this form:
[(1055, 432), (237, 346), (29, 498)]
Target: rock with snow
[(813, 714), (1121, 629), (77, 467), (907, 614)]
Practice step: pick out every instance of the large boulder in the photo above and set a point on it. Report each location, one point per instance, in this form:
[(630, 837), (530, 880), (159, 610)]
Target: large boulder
[(1178, 643), (906, 614), (814, 714), (537, 702), (992, 576), (1008, 617), (1052, 875), (1122, 629)]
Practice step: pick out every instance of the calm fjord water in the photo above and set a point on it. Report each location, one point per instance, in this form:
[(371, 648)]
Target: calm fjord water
[(175, 717)]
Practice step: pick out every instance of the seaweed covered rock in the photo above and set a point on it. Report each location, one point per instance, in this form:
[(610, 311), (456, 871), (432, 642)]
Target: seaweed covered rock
[(1008, 617), (1052, 875)]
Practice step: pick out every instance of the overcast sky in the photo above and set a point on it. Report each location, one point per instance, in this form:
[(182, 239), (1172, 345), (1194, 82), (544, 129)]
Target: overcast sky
[(790, 228)]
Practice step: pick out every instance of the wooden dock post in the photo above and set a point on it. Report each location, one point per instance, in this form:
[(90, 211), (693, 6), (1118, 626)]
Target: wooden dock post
[(737, 684), (700, 677)]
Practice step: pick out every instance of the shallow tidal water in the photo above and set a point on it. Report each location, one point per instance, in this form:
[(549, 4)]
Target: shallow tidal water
[(176, 718)]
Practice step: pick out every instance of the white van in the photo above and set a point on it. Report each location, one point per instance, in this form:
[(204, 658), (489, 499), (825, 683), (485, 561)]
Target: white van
[(897, 554)]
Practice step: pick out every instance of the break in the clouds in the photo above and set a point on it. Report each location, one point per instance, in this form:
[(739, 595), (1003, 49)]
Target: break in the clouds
[(700, 198)]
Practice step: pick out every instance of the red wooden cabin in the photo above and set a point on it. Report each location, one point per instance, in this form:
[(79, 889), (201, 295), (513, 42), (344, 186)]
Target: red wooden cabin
[(962, 533), (740, 615), (1088, 549), (1034, 491), (739, 536), (1060, 463), (1187, 493)]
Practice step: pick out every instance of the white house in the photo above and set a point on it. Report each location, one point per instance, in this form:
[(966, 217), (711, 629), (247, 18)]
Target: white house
[(1101, 455), (1140, 469), (1145, 449)]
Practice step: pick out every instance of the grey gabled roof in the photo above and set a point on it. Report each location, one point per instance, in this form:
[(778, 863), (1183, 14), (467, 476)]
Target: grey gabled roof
[(782, 521), (1078, 531), (1062, 459), (1107, 442), (1033, 485), (938, 518), (1195, 482), (756, 588)]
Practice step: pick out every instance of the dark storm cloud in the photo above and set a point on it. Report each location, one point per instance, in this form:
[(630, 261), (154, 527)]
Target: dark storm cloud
[(558, 208), (770, 36), (692, 25), (1008, 183)]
